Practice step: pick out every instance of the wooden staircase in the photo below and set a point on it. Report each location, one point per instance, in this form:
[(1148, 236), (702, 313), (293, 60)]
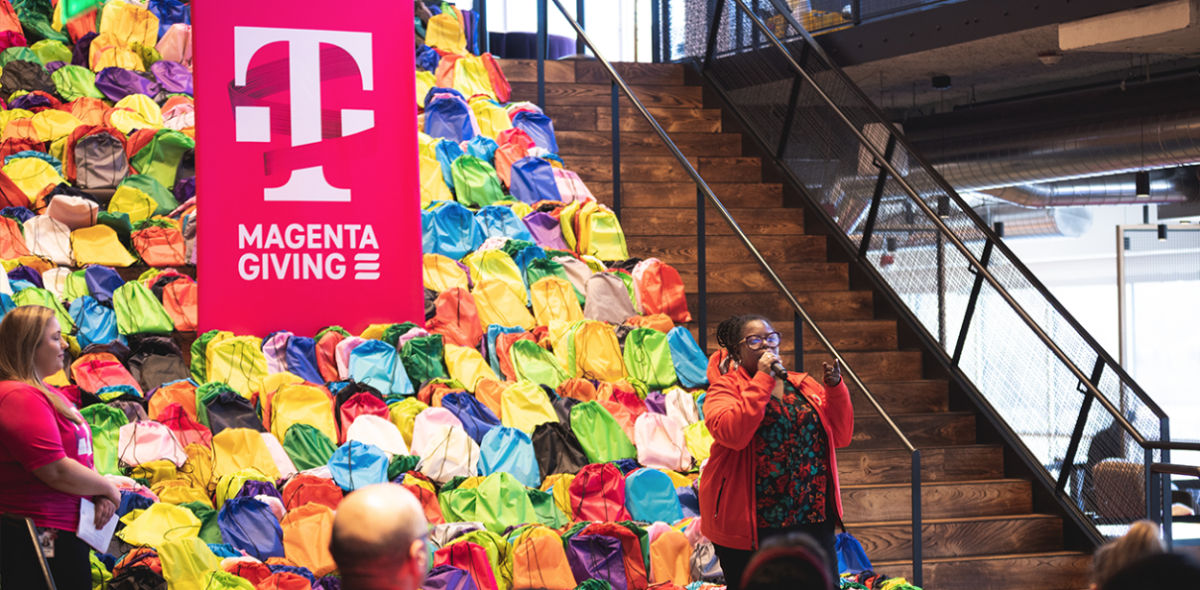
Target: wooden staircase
[(980, 530)]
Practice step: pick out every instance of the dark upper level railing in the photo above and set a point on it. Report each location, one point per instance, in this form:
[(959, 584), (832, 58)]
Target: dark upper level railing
[(1032, 367), (705, 195)]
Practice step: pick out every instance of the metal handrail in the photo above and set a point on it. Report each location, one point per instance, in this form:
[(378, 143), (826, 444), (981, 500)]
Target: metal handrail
[(962, 248), (798, 309)]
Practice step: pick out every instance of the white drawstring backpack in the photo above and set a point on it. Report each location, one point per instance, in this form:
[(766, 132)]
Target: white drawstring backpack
[(450, 453), (426, 425), (55, 280), (50, 239), (660, 443), (681, 407), (373, 430)]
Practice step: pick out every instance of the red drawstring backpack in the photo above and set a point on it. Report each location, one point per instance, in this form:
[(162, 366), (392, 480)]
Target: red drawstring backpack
[(598, 494), (661, 290), (471, 558), (457, 319)]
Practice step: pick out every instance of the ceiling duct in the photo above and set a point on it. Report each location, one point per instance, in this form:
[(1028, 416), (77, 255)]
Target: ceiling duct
[(1020, 222), (1077, 135), (1177, 185)]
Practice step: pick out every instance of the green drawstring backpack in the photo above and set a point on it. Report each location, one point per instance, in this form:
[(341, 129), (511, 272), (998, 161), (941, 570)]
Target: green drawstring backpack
[(105, 422), (206, 393), (159, 160), (307, 447), (219, 580), (185, 563), (36, 296), (75, 82), (209, 531), (536, 364), (139, 311), (100, 575), (547, 511), (540, 268), (648, 360), (423, 359), (475, 182), (599, 434), (76, 286), (401, 464)]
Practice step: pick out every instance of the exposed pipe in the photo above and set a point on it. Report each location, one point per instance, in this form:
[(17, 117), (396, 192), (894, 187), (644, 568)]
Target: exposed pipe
[(1069, 136), (1178, 185), (1021, 222)]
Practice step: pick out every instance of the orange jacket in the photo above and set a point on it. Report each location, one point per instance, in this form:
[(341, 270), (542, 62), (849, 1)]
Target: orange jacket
[(733, 411)]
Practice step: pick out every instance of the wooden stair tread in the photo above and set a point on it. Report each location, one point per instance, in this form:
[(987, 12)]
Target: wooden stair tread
[(597, 168), (599, 118), (902, 397), (525, 70), (939, 499), (593, 72), (840, 305), (991, 518), (852, 335), (677, 250), (962, 537), (891, 365), (1045, 570), (764, 221), (599, 143), (749, 277), (942, 428), (600, 95), (682, 195), (954, 463)]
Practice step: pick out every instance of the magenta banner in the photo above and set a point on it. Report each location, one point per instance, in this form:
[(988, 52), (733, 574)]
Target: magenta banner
[(306, 165)]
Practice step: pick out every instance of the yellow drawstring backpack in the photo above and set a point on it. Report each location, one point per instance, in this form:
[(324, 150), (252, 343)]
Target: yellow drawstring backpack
[(441, 273), (497, 303), (554, 300), (467, 366), (525, 406), (237, 362)]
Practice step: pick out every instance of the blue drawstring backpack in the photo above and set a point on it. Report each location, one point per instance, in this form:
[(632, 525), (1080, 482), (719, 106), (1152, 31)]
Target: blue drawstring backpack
[(301, 358), (650, 497), (427, 58), (508, 450), (455, 231), (102, 282), (533, 180), (700, 403), (169, 12), (428, 241), (22, 214), (249, 525), (688, 501), (224, 550), (374, 363), (690, 363), (851, 556), (493, 332), (498, 220), (539, 128), (436, 90), (447, 152), (355, 465), (253, 488), (627, 466), (481, 147), (449, 118), (6, 304), (524, 257), (476, 418), (97, 324)]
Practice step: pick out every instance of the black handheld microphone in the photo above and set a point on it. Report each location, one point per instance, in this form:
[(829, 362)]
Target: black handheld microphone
[(778, 370)]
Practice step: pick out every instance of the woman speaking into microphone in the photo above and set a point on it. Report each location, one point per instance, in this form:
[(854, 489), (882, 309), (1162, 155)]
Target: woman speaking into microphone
[(773, 469)]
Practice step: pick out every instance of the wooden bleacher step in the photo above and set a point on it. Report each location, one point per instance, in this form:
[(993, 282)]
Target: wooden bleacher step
[(1050, 570), (893, 502), (953, 463), (962, 537), (922, 430)]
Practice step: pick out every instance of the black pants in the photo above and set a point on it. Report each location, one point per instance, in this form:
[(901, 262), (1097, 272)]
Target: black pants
[(19, 568), (734, 561)]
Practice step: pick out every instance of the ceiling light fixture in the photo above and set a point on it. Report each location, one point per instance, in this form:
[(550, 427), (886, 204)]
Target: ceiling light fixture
[(1142, 180), (1162, 232)]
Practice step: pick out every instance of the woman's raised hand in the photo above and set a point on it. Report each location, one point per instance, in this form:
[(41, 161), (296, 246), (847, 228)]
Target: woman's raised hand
[(833, 375), (765, 361)]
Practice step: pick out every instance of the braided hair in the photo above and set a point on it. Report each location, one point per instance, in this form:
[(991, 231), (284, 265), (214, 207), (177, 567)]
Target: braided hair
[(729, 332)]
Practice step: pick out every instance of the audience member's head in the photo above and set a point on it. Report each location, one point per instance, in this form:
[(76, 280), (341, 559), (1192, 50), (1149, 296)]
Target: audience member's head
[(788, 562), (1162, 570), (1140, 541), (378, 539)]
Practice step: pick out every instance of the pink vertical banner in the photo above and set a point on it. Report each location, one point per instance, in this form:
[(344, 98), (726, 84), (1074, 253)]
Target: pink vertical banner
[(306, 165)]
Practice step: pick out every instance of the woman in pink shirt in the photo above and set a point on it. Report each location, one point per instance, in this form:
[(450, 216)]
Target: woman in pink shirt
[(45, 457)]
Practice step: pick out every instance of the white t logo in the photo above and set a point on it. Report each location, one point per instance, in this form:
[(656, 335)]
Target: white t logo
[(253, 124)]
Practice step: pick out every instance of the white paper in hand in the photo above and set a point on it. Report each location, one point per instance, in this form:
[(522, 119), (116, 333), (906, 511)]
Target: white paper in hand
[(97, 539)]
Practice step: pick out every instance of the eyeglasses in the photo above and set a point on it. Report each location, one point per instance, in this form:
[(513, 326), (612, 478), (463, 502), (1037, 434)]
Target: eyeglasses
[(757, 342)]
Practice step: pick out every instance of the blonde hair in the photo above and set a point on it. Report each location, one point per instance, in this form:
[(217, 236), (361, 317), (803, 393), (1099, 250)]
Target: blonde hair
[(22, 331), (1140, 541)]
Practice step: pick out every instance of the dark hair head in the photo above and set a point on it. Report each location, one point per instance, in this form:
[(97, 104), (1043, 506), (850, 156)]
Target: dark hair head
[(1163, 570), (786, 562), (729, 332)]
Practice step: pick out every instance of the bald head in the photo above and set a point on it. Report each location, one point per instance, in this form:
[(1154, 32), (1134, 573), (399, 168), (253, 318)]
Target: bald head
[(375, 533)]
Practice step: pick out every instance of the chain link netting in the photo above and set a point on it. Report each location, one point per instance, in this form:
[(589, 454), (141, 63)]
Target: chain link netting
[(1019, 375)]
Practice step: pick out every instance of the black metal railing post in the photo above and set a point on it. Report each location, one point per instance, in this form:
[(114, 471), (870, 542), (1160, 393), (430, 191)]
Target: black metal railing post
[(918, 534), (1165, 457), (798, 326), (985, 258), (481, 33), (666, 53), (1153, 502), (1068, 464), (864, 244), (655, 32), (701, 272), (713, 28), (856, 11), (580, 9), (542, 43), (616, 149)]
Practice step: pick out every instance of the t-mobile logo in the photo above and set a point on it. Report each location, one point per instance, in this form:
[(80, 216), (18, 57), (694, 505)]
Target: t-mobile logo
[(253, 123)]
